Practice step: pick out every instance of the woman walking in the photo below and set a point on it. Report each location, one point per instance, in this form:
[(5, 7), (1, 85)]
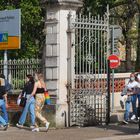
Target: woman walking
[(38, 91), (30, 103), (5, 106), (2, 103)]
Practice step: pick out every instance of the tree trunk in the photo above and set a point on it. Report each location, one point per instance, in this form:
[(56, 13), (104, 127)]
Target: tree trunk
[(128, 42), (128, 66), (137, 64)]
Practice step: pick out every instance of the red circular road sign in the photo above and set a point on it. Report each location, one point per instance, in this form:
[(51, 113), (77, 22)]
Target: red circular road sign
[(114, 61)]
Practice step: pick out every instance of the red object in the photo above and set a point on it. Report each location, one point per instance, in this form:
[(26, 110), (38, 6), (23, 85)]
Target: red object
[(114, 61)]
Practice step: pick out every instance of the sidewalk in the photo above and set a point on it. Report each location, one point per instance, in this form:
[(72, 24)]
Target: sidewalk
[(112, 132)]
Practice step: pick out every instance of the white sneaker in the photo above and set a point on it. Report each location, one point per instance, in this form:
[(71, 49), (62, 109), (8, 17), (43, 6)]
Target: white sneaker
[(47, 125), (133, 117), (19, 125), (35, 130), (124, 121), (32, 126), (139, 134), (1, 126)]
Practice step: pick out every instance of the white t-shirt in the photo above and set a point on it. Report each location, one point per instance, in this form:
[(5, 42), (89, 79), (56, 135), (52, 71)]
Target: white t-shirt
[(133, 84), (138, 76)]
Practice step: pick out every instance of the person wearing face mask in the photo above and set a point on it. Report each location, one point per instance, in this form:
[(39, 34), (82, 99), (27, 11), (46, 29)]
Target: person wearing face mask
[(131, 98), (137, 95), (133, 85)]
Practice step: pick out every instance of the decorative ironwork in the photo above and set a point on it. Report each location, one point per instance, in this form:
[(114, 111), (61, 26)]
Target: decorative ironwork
[(87, 108), (89, 89), (89, 58)]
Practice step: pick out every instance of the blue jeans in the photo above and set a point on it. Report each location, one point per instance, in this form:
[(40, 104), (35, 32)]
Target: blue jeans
[(127, 110), (133, 100), (4, 112), (138, 96), (2, 103), (30, 106)]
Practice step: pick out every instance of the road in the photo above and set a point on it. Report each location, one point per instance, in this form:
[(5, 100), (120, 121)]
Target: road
[(112, 132)]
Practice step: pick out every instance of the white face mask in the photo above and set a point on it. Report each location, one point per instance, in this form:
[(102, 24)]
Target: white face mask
[(138, 76), (132, 78)]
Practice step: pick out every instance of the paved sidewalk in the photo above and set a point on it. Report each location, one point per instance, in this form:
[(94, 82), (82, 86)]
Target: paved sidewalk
[(112, 132)]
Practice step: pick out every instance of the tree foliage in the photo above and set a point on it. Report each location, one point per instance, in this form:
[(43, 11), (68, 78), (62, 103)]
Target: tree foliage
[(96, 6), (124, 12), (32, 25)]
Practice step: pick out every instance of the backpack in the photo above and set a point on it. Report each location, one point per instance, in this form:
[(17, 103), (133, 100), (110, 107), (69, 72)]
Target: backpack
[(8, 86)]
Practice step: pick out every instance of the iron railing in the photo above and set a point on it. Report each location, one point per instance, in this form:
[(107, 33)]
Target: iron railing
[(18, 69)]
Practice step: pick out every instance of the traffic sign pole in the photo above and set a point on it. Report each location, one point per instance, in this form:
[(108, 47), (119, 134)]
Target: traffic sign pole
[(108, 94), (112, 71), (114, 62)]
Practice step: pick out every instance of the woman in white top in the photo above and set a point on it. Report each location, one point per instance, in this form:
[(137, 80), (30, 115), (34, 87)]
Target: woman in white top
[(131, 86), (135, 97)]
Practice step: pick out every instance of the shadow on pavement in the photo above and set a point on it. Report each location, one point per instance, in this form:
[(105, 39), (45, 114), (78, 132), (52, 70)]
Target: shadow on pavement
[(131, 128)]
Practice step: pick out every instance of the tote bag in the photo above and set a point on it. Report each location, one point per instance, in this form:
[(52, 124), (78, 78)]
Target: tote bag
[(22, 101)]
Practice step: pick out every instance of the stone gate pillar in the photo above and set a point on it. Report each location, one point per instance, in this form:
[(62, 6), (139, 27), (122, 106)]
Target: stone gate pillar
[(56, 53)]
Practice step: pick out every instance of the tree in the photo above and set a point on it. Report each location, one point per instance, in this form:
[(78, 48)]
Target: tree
[(137, 65), (124, 11), (96, 6), (32, 24)]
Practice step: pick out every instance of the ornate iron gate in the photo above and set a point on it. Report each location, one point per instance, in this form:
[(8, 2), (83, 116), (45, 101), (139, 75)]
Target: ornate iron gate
[(89, 51)]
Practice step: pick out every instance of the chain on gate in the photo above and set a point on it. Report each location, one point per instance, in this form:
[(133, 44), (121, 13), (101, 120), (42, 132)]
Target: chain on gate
[(88, 104)]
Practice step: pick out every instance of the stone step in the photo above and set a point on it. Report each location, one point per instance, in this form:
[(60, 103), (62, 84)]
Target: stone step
[(117, 116)]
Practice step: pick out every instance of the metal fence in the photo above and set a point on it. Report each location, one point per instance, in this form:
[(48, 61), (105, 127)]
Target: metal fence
[(18, 69)]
